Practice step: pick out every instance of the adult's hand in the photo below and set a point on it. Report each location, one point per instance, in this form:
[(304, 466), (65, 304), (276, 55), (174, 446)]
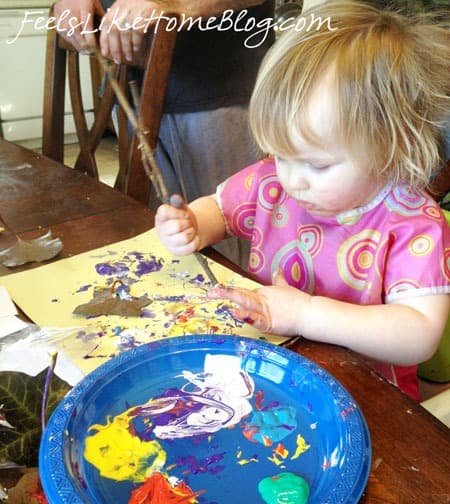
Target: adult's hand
[(127, 21), (125, 25), (75, 21)]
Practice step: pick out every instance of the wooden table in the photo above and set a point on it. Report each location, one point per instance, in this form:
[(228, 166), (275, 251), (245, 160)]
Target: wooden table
[(410, 448)]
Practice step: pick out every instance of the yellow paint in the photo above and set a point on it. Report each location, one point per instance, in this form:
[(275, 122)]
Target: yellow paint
[(121, 456), (247, 461), (302, 446), (274, 458)]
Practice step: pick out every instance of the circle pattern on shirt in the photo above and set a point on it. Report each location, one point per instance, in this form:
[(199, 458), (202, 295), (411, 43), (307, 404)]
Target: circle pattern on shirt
[(381, 257), (270, 193), (421, 245), (401, 285), (311, 237), (257, 237), (432, 211), (280, 217), (405, 202), (256, 260), (356, 256), (445, 265), (296, 265), (244, 218)]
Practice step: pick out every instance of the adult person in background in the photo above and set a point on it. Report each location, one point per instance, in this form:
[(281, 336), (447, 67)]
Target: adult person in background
[(204, 135)]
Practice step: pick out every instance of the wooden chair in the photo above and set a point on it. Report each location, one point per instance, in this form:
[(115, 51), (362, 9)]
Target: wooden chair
[(440, 185), (62, 63)]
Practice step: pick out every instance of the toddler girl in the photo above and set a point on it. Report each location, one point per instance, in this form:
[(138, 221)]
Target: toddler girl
[(350, 248)]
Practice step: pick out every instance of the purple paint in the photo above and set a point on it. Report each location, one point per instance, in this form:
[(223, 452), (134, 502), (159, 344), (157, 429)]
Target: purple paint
[(84, 288), (111, 268), (147, 314), (149, 266)]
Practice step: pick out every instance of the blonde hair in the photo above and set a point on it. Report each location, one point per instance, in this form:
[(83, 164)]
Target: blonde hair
[(391, 79)]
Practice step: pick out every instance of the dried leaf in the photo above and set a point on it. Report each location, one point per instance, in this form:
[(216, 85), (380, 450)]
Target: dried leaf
[(105, 302), (25, 251), (22, 398)]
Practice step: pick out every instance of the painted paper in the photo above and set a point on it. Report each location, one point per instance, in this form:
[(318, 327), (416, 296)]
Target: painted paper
[(176, 287)]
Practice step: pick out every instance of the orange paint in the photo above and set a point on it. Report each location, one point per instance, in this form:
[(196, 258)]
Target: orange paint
[(157, 490), (249, 433), (281, 451)]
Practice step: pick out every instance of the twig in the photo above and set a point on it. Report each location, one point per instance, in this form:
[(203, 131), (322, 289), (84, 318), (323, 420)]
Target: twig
[(148, 160)]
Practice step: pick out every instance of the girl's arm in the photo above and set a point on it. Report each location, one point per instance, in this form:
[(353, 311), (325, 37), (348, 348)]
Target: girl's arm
[(189, 228), (403, 333)]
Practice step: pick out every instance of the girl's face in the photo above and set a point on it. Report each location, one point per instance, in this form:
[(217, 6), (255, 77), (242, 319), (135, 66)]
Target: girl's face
[(327, 179)]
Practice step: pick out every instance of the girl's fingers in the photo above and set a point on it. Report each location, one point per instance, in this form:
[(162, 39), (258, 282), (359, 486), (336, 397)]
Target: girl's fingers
[(245, 298), (252, 307), (256, 319)]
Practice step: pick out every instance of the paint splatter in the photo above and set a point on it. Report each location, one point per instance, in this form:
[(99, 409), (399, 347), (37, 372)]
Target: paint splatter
[(286, 488), (218, 399), (268, 427), (302, 446), (157, 489), (207, 465), (120, 455), (213, 399), (170, 315)]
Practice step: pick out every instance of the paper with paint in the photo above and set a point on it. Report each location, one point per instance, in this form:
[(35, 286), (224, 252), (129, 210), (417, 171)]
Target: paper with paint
[(176, 287)]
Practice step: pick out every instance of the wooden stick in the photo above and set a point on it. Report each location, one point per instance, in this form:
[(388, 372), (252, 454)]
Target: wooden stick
[(148, 159)]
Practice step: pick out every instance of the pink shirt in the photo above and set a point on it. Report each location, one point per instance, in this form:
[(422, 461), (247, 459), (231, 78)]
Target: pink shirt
[(396, 246)]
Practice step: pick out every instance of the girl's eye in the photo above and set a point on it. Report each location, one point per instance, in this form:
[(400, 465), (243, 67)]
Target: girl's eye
[(320, 167)]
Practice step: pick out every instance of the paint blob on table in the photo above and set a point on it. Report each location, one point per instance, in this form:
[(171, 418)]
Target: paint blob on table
[(135, 445), (286, 488)]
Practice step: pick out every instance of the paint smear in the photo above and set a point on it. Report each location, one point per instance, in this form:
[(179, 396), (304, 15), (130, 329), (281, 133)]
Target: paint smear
[(216, 398), (120, 455), (157, 489), (211, 400), (286, 488), (270, 426)]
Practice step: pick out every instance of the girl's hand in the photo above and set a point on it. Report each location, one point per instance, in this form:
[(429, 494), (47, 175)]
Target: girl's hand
[(277, 309), (177, 229)]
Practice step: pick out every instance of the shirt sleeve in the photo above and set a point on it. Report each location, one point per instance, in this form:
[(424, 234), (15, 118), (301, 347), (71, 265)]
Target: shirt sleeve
[(417, 258)]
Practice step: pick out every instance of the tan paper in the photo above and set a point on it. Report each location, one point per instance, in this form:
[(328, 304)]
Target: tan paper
[(176, 285)]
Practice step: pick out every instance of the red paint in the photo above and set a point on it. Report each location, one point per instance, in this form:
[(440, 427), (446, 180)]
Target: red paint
[(259, 400), (157, 490)]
